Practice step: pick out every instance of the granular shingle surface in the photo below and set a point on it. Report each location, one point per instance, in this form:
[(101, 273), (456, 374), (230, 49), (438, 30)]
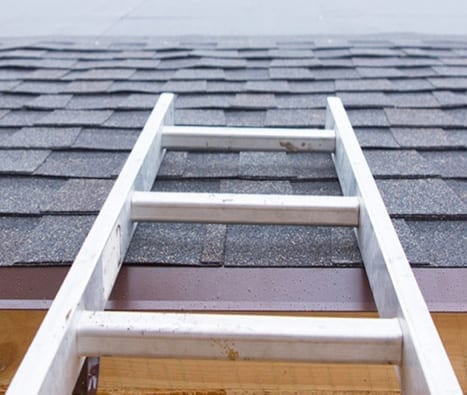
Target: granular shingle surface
[(70, 112)]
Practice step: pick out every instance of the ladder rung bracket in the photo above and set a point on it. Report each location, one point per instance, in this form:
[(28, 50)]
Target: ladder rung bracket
[(248, 139), (240, 337), (244, 208)]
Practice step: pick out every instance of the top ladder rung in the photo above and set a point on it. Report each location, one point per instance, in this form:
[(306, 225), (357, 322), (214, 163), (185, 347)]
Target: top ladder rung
[(248, 139)]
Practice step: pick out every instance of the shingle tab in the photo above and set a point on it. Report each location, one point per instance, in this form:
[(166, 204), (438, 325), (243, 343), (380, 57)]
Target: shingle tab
[(204, 101), (21, 195), (371, 137), (296, 101), (449, 83), (14, 101), (419, 117), (200, 117), (434, 138), (75, 118), (78, 196), (414, 198), (21, 161), (152, 75), (13, 230), (295, 118), (22, 118), (185, 86), (83, 164), (199, 74), (283, 165), (250, 118), (211, 165), (437, 243), (267, 86), (289, 73), (225, 86), (87, 87), (187, 185), (138, 101), (41, 87), (379, 72), (446, 98), (174, 244), (246, 74), (374, 117), (49, 102), (376, 84), (56, 239), (312, 87), (107, 139), (412, 100), (449, 164), (399, 164), (313, 187), (254, 101), (95, 102), (38, 137), (173, 164), (255, 187), (128, 119)]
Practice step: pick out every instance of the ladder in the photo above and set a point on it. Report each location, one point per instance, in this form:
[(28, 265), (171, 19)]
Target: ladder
[(76, 327)]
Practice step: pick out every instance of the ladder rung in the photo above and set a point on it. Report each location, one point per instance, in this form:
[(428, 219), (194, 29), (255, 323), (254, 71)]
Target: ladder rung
[(248, 139), (245, 209), (240, 337)]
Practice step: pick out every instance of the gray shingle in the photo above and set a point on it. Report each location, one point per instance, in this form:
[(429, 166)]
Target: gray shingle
[(38, 137), (199, 74), (255, 187), (173, 244), (41, 87), (460, 115), (75, 118), (295, 118), (412, 100), (446, 98), (49, 102), (449, 83), (26, 195), (219, 62), (127, 119), (379, 72), (363, 99), (449, 164), (283, 246), (411, 85), (103, 74), (14, 101), (419, 117), (56, 239), (173, 164), (460, 188), (204, 101), (326, 188), (312, 87), (79, 196), (427, 138), (176, 64), (95, 102), (246, 74), (311, 62), (377, 84), (437, 243), (45, 74), (83, 164), (267, 86), (13, 74), (414, 198), (22, 118), (296, 101), (185, 86), (138, 101), (288, 73), (152, 75), (87, 86), (21, 161), (414, 72), (283, 165), (107, 139), (213, 247), (395, 62), (250, 118), (332, 53), (291, 53), (376, 52), (451, 71), (375, 138), (254, 100), (329, 73), (225, 86), (399, 164), (187, 185), (211, 165), (8, 85), (200, 117), (373, 117), (13, 230)]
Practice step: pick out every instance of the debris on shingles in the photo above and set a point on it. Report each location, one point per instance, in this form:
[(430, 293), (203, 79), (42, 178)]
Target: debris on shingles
[(70, 112)]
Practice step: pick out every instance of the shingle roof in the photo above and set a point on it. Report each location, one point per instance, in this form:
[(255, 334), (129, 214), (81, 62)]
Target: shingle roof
[(71, 110)]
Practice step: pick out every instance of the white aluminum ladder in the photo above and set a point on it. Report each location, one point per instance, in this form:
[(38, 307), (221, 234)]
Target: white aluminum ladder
[(77, 327)]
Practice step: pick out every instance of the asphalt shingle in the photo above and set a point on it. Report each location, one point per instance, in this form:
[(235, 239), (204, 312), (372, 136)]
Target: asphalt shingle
[(75, 118), (13, 230), (39, 137), (200, 117), (420, 117), (450, 164), (211, 165), (295, 118), (21, 161), (82, 164), (106, 139)]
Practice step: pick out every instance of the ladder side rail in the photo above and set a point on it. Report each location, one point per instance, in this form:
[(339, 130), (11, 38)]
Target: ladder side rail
[(241, 337), (425, 367), (248, 139), (52, 364)]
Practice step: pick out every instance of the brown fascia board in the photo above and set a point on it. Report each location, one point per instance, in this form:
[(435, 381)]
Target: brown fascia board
[(233, 289)]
